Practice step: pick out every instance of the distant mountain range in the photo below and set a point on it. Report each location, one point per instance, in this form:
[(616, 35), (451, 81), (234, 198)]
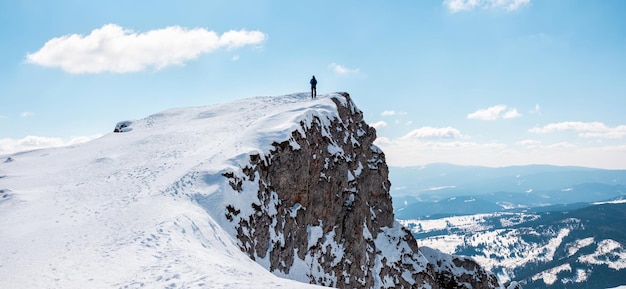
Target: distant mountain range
[(439, 190), (545, 226), (583, 248)]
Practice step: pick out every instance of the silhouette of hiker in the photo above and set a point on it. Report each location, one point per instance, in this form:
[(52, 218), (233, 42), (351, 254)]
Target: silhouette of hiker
[(313, 84)]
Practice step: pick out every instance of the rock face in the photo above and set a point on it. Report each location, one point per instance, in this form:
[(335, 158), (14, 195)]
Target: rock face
[(123, 126), (324, 213)]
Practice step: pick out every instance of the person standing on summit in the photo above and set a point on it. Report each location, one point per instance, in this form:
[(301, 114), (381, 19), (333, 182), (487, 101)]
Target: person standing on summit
[(313, 84)]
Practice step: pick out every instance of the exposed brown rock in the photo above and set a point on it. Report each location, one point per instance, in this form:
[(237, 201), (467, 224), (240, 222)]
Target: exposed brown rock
[(336, 181)]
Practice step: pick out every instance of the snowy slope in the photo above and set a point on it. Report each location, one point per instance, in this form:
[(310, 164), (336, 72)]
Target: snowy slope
[(120, 211), (582, 248)]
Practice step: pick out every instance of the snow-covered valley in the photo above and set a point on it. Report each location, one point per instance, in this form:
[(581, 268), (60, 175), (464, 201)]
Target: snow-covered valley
[(572, 249)]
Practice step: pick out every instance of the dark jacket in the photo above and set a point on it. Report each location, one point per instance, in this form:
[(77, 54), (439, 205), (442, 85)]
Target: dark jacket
[(313, 82)]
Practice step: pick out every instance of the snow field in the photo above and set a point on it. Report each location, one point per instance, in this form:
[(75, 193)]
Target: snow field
[(129, 210)]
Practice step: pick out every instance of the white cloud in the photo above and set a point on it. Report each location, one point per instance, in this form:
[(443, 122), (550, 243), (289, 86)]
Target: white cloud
[(38, 142), (415, 152), (340, 69), (611, 133), (392, 112), (529, 144), (560, 145), (463, 5), (379, 124), (570, 125), (9, 145), (460, 5), (510, 5), (112, 48), (537, 109), (428, 132), (512, 113), (26, 114), (491, 113), (538, 145), (495, 112), (585, 129), (446, 144)]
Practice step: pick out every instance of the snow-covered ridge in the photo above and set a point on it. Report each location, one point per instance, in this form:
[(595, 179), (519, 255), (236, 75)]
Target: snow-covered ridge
[(118, 211), (186, 197)]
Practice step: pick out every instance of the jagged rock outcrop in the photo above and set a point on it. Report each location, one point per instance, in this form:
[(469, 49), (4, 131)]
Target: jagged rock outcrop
[(324, 213), (123, 126), (457, 271)]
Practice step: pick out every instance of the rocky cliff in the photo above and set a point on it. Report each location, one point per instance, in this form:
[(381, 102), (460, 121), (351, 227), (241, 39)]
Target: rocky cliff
[(322, 212), (217, 197)]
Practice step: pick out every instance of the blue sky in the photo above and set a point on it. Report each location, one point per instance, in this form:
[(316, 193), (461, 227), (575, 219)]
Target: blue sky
[(472, 82)]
